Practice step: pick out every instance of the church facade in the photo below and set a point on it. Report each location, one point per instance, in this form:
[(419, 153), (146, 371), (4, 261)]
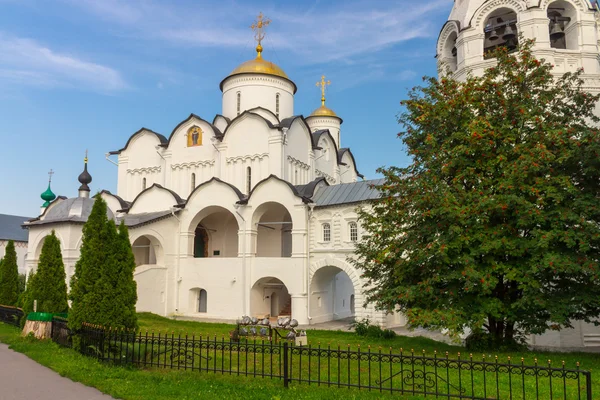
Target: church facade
[(252, 212)]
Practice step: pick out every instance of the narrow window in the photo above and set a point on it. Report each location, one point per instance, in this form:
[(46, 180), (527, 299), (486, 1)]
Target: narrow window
[(326, 232), (202, 301), (353, 231), (239, 102), (143, 183), (277, 105), (248, 180), (193, 181)]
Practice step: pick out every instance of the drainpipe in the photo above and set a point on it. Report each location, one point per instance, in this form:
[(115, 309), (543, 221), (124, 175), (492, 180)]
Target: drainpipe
[(244, 278), (177, 262), (310, 215)]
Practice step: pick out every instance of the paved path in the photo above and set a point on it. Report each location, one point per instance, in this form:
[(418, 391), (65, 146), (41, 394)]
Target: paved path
[(21, 378)]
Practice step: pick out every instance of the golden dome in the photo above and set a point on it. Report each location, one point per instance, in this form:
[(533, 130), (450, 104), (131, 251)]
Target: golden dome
[(323, 112), (259, 66)]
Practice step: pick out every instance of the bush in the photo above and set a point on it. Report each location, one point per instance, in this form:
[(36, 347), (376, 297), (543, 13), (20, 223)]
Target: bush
[(364, 328)]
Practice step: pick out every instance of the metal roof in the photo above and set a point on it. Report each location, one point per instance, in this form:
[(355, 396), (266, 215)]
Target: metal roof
[(346, 193), (10, 228)]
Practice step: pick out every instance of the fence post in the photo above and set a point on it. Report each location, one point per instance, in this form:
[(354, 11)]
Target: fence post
[(52, 329), (588, 384), (285, 364)]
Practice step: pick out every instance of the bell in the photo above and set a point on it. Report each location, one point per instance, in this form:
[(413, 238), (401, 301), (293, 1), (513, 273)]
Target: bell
[(494, 35), (508, 34), (556, 32)]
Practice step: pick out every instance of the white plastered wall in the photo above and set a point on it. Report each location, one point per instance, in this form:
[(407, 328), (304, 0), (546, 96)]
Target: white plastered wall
[(257, 91)]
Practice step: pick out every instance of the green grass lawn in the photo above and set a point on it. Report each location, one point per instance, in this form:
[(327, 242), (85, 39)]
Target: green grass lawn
[(132, 383)]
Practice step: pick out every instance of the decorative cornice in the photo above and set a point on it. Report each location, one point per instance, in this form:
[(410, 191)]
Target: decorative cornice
[(247, 78), (326, 176), (298, 163), (202, 163), (251, 157), (144, 169)]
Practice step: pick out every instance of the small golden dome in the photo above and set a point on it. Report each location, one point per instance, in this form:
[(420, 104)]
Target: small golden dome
[(259, 66), (323, 112)]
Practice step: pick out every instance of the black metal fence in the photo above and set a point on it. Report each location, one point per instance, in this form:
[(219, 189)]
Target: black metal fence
[(60, 332), (11, 315), (371, 369)]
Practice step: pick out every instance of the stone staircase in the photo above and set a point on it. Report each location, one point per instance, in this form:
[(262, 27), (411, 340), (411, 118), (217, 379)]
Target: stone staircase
[(286, 311)]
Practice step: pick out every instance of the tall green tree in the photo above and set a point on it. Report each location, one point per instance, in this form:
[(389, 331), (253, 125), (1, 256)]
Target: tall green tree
[(119, 283), (9, 277), (49, 286), (97, 240), (103, 291), (495, 226)]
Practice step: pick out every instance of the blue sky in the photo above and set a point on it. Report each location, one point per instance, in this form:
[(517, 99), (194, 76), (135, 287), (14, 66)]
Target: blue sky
[(86, 74)]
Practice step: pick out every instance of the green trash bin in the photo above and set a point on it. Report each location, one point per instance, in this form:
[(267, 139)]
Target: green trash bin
[(40, 316)]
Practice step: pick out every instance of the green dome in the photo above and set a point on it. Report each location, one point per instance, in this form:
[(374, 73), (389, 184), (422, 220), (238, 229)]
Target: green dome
[(47, 196)]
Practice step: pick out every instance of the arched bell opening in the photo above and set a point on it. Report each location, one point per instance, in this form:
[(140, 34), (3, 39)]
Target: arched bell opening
[(500, 31), (450, 53), (562, 26)]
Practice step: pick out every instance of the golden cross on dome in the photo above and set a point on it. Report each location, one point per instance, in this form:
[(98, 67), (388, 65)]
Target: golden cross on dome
[(50, 173), (259, 30), (322, 84)]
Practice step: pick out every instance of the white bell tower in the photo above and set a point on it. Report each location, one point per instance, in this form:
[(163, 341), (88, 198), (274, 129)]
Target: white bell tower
[(565, 31)]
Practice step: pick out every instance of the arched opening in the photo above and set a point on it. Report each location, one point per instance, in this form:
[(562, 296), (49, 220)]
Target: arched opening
[(500, 30), (215, 233), (562, 26), (146, 251), (269, 297), (239, 102), (193, 182), (450, 55), (198, 300), (277, 105), (273, 231), (331, 295)]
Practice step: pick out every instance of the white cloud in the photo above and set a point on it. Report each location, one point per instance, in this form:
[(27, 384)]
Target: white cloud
[(25, 61), (325, 32)]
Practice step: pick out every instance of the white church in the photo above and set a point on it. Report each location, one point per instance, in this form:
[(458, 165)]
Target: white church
[(254, 213)]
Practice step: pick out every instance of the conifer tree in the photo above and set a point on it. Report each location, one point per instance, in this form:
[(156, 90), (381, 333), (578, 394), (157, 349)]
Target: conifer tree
[(117, 288), (9, 277), (96, 247), (495, 226), (50, 287), (27, 297)]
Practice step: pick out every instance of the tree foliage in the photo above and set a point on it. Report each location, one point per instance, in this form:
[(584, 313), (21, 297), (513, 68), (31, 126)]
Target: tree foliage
[(9, 276), (495, 224), (48, 286), (103, 291)]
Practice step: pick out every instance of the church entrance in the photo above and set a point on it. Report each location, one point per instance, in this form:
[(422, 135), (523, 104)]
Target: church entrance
[(270, 297), (200, 242)]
